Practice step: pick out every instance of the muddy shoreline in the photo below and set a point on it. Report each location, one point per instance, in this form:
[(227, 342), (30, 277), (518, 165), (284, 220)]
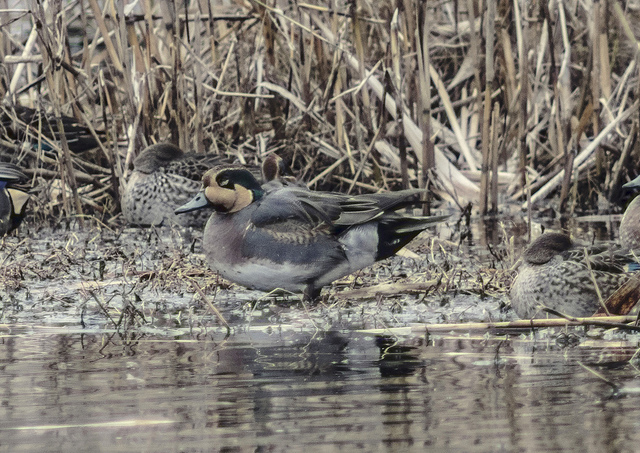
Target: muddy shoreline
[(129, 278)]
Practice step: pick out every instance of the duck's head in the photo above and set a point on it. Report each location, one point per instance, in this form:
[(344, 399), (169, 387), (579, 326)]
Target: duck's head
[(275, 168), (156, 156), (226, 189), (546, 247)]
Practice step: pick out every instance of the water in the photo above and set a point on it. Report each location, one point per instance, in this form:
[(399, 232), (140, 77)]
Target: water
[(322, 391)]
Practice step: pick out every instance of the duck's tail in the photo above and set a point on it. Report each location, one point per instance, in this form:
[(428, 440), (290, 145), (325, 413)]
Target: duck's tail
[(396, 232)]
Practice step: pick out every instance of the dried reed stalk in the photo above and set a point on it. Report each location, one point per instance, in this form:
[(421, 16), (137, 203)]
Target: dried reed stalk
[(254, 77), (619, 322)]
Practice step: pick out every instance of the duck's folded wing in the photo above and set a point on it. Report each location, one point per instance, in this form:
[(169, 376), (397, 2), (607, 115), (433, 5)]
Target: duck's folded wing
[(194, 165), (607, 258), (293, 242), (291, 203), (78, 136), (329, 207), (11, 173), (359, 209)]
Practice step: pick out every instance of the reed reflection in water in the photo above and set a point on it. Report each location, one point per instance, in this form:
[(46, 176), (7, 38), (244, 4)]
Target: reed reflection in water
[(288, 391)]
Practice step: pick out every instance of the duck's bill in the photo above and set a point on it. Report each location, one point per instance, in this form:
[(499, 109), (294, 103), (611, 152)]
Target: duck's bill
[(198, 202), (633, 184)]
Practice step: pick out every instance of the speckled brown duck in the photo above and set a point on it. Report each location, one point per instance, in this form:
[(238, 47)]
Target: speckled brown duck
[(296, 239), (562, 276), (164, 177)]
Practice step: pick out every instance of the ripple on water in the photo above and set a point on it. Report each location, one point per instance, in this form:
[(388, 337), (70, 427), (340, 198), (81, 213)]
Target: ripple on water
[(345, 390)]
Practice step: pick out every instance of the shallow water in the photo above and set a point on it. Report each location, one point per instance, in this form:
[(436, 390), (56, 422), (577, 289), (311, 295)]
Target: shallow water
[(287, 390), (106, 344)]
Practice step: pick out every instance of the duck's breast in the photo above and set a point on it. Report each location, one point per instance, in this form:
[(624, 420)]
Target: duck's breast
[(150, 199), (630, 226)]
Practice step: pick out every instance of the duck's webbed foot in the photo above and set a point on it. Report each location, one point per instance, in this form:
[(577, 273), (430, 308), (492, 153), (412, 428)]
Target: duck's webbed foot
[(311, 293)]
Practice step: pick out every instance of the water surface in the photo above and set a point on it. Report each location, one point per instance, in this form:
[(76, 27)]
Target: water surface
[(277, 391)]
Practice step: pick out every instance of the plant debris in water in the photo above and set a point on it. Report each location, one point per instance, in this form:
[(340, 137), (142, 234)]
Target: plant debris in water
[(157, 277)]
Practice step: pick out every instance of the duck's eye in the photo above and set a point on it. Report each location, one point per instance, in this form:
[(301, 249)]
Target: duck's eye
[(225, 183)]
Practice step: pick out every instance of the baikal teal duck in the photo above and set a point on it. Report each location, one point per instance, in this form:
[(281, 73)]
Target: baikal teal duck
[(13, 200), (295, 239), (164, 177), (562, 276), (630, 224)]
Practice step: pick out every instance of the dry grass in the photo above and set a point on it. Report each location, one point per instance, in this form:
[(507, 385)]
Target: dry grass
[(359, 96)]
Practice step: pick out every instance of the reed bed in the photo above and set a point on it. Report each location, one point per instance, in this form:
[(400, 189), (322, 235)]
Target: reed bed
[(483, 102)]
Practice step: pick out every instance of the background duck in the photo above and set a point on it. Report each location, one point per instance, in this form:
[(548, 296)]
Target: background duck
[(296, 239), (630, 224), (559, 275), (13, 200), (20, 123), (277, 174), (165, 177)]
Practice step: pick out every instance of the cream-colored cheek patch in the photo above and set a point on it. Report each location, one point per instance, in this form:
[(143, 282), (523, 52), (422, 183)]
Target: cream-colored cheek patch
[(221, 199)]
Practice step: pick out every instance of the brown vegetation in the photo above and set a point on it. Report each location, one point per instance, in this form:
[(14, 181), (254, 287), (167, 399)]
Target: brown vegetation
[(462, 97)]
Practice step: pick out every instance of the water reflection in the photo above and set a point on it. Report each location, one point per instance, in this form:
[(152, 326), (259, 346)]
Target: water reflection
[(492, 231), (291, 390)]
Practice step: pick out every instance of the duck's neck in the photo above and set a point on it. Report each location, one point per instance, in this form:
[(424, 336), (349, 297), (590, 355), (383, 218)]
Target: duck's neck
[(257, 194)]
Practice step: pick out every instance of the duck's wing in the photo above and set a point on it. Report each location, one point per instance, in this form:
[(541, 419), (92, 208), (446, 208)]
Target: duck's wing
[(330, 208), (78, 136), (359, 209), (11, 173), (287, 227), (614, 261), (348, 210), (602, 258), (292, 203), (194, 165)]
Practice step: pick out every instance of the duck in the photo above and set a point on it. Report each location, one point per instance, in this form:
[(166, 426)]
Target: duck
[(630, 224), (277, 174), (295, 239), (163, 178), (13, 200), (21, 123), (559, 274)]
